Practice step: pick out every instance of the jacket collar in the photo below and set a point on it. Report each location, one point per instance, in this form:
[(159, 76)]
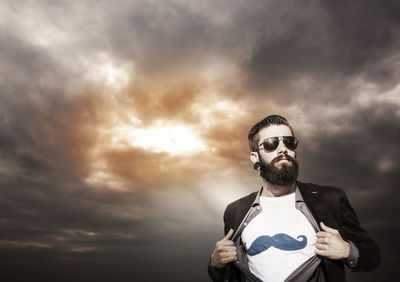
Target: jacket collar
[(298, 197)]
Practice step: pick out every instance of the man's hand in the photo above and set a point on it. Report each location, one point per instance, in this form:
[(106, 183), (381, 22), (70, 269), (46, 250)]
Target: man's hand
[(224, 252), (330, 244)]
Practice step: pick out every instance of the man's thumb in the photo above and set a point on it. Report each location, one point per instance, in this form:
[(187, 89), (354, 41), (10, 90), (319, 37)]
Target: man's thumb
[(229, 235), (326, 228)]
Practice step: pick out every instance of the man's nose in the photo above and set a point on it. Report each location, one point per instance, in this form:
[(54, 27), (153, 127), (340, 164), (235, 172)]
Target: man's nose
[(282, 148)]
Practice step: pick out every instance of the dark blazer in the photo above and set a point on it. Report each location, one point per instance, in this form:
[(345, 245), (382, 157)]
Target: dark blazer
[(327, 204)]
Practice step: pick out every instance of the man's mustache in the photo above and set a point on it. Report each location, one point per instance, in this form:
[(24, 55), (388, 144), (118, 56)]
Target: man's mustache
[(281, 157), (280, 241)]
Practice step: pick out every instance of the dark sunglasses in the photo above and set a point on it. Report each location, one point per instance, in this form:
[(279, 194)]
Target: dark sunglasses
[(270, 144)]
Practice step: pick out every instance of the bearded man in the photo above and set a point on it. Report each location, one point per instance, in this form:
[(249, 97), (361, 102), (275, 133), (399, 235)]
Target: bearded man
[(289, 230)]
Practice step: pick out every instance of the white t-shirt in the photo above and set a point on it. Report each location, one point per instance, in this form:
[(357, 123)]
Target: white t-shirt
[(279, 239)]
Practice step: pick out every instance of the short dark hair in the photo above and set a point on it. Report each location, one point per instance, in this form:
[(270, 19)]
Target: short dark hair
[(253, 136)]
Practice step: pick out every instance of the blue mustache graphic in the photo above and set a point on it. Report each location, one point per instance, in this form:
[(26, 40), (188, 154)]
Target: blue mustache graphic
[(280, 241)]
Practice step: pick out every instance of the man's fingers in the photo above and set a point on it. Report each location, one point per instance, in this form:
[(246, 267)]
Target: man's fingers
[(223, 254), (327, 229), (322, 240), (231, 249), (227, 260), (229, 235), (321, 246), (222, 249), (323, 234), (227, 243), (224, 243), (228, 254)]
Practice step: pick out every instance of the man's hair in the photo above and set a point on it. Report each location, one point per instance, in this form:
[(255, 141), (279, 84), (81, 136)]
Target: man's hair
[(254, 138)]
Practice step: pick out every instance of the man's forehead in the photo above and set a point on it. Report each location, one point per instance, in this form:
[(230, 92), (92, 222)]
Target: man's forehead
[(275, 130)]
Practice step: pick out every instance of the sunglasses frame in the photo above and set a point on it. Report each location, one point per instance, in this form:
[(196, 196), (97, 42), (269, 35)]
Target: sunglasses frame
[(285, 140)]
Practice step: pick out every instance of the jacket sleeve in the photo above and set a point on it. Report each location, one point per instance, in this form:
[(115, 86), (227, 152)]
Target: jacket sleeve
[(219, 274), (369, 255), (216, 274)]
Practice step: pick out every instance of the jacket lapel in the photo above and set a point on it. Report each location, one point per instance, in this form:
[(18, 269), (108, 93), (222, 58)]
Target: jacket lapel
[(313, 201)]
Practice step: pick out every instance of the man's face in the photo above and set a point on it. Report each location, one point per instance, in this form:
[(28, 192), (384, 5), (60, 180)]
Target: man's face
[(277, 166)]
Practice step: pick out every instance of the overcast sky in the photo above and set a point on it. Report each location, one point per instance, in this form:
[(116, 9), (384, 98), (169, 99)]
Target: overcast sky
[(123, 126)]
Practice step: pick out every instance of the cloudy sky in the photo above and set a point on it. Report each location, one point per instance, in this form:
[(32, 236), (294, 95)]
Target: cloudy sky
[(123, 126)]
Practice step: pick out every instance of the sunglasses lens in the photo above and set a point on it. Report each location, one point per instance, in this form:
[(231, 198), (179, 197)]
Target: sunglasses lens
[(271, 144), (290, 142)]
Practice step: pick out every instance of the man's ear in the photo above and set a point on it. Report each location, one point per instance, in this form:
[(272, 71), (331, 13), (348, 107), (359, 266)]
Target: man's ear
[(254, 157)]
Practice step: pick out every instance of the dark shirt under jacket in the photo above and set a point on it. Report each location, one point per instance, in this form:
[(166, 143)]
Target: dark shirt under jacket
[(327, 204)]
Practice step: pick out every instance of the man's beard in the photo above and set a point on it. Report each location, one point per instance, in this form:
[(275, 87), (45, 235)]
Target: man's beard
[(284, 174)]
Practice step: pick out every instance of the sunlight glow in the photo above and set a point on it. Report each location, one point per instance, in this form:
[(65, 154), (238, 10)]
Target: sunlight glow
[(113, 76), (102, 69), (127, 132), (161, 137)]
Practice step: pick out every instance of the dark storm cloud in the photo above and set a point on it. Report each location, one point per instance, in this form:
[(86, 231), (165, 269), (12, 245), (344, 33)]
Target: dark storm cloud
[(365, 140), (176, 33), (39, 134), (328, 41), (363, 156), (45, 131)]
